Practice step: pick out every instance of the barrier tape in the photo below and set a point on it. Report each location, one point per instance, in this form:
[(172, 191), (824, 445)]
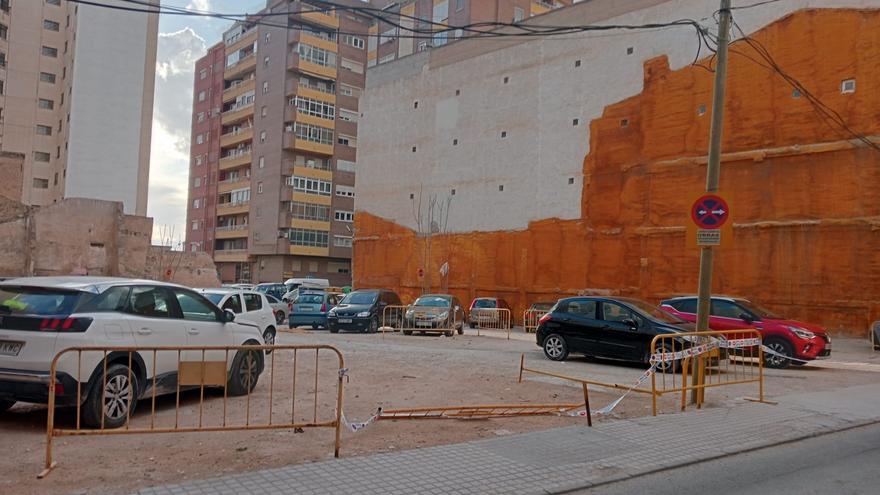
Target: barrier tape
[(358, 426), (610, 407)]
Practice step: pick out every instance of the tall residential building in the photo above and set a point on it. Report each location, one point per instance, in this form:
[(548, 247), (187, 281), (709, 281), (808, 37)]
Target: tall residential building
[(274, 139), (76, 99), (391, 40)]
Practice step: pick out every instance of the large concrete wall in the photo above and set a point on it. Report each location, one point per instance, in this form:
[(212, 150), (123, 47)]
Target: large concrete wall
[(11, 170), (806, 220)]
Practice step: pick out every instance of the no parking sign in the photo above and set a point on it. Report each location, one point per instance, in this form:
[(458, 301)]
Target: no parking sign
[(710, 221)]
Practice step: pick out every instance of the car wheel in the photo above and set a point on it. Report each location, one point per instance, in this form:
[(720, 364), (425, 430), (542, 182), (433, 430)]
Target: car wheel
[(669, 366), (334, 330), (315, 326), (5, 404), (555, 348), (460, 329), (782, 347), (269, 338), (374, 325), (244, 373), (449, 333), (279, 318), (407, 332), (114, 399)]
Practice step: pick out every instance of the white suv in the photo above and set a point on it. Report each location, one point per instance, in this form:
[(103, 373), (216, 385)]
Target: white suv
[(249, 307), (41, 316)]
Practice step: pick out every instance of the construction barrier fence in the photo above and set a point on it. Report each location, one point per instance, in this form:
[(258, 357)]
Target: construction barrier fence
[(490, 319), (531, 317), (409, 319), (195, 389)]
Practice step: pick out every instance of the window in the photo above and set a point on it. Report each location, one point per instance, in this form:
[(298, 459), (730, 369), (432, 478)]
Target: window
[(346, 90), (345, 191), (203, 73), (344, 216), (356, 67), (200, 138), (41, 183), (263, 111), (310, 186), (316, 55), (195, 308), (41, 156), (201, 96), (50, 25), (353, 41), (262, 136), (265, 87), (459, 4), (725, 309), (195, 225), (196, 203), (252, 302), (309, 162), (342, 241), (233, 304), (261, 162), (848, 86), (306, 237), (240, 196), (345, 166), (44, 130), (113, 299), (4, 31), (313, 133), (347, 141), (47, 77), (48, 51), (615, 312), (309, 211), (199, 160), (315, 108), (150, 302), (518, 14), (259, 188), (53, 2), (685, 306), (582, 307), (197, 182), (266, 61), (387, 36), (201, 117), (2, 59)]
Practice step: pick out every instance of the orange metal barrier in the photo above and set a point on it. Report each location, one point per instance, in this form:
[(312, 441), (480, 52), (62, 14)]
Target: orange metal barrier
[(531, 317), (491, 319), (236, 370)]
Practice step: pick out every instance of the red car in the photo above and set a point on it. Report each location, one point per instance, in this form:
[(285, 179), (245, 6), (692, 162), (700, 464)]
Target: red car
[(787, 337)]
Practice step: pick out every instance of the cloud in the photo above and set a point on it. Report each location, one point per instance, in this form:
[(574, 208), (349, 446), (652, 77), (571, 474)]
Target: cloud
[(199, 5), (176, 55)]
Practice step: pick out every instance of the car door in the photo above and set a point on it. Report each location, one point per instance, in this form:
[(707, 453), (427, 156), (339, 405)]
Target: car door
[(255, 311), (727, 315), (204, 326), (578, 325), (619, 338), (154, 317)]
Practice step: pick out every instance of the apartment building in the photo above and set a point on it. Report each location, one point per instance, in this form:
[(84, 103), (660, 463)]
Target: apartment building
[(76, 99), (274, 140), (389, 42)]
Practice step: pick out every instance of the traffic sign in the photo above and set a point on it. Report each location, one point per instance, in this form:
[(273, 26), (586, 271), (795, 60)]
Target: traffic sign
[(710, 212)]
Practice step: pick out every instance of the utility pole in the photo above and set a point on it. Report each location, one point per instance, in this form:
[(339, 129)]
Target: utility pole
[(713, 172)]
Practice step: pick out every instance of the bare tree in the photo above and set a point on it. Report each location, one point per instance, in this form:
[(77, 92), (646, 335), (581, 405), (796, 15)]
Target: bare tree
[(432, 217), (169, 258)]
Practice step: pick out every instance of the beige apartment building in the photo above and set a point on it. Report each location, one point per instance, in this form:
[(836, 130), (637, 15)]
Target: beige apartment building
[(274, 145), (76, 99)]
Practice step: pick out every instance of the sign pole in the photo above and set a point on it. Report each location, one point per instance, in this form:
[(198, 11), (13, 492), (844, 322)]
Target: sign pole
[(713, 171)]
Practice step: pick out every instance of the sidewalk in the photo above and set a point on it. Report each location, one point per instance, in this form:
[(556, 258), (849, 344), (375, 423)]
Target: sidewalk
[(559, 460)]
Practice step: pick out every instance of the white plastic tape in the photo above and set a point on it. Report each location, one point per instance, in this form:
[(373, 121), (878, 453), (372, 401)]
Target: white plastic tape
[(358, 426)]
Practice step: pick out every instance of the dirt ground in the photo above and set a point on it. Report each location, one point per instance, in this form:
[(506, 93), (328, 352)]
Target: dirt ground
[(394, 372)]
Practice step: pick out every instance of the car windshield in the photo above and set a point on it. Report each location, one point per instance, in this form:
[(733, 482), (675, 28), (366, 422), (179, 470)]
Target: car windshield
[(214, 297), (360, 298), (309, 299), (38, 301), (758, 310), (484, 303), (432, 301), (652, 312)]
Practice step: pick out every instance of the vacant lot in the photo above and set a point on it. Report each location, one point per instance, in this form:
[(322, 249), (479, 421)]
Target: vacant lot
[(396, 371)]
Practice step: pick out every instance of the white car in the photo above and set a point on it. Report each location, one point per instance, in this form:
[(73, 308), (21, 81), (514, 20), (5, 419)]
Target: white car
[(249, 307), (41, 316)]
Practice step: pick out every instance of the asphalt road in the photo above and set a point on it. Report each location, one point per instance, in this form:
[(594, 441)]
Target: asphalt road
[(839, 463)]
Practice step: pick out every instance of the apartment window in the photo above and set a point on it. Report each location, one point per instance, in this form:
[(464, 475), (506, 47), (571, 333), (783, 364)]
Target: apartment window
[(195, 226), (240, 196), (51, 25), (518, 14), (345, 191), (356, 67), (345, 166), (344, 216), (348, 115), (41, 156), (316, 55), (201, 96), (200, 138), (259, 188), (196, 203), (313, 133), (2, 59), (310, 186), (353, 41), (459, 4), (41, 183), (315, 108), (347, 140), (266, 61), (341, 241), (387, 36), (197, 182), (262, 136), (201, 117), (306, 237), (53, 2), (203, 73), (848, 86), (265, 87), (55, 181), (4, 31), (44, 130), (261, 162), (2, 88), (48, 51), (309, 211), (47, 77), (346, 90), (199, 160), (316, 163)]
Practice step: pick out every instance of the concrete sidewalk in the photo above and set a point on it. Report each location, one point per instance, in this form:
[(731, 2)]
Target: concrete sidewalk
[(559, 460)]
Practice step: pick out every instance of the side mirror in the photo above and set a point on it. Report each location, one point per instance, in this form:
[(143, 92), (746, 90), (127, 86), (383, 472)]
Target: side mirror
[(228, 316), (630, 323), (746, 318)]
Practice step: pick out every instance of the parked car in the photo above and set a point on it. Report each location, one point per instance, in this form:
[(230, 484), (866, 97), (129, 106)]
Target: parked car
[(615, 328), (316, 283), (41, 316), (787, 337), (280, 308), (275, 290), (250, 308), (361, 310), (310, 307), (541, 306), (435, 313), (239, 286), (490, 318)]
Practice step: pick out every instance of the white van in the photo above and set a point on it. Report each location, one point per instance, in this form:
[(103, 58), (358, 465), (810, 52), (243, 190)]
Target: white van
[(318, 283)]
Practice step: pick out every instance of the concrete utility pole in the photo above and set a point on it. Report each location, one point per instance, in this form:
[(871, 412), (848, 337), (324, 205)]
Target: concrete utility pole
[(713, 172)]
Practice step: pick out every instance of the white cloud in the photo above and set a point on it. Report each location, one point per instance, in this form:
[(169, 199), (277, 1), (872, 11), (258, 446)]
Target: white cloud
[(199, 5), (176, 55)]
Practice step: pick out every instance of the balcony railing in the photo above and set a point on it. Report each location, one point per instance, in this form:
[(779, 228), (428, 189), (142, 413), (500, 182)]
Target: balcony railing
[(232, 228), (236, 132), (233, 39), (232, 204), (234, 180)]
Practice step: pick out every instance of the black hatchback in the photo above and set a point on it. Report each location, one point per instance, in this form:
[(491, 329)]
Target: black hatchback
[(615, 328), (361, 310)]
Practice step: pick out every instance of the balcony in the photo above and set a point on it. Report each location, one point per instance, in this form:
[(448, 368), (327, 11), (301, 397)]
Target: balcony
[(245, 64), (294, 62), (233, 92), (242, 40), (291, 114), (227, 185), (297, 223), (310, 39), (231, 232), (310, 250), (236, 137), (319, 17), (291, 142), (237, 113), (232, 208), (235, 160), (314, 173), (230, 255)]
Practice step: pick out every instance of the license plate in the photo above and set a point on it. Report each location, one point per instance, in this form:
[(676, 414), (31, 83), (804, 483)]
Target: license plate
[(423, 323), (8, 348), (303, 309), (345, 320)]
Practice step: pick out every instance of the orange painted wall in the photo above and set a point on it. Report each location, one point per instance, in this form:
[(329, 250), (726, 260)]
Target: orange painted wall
[(807, 218)]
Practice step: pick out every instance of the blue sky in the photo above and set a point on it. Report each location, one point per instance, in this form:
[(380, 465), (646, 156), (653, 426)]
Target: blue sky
[(182, 40)]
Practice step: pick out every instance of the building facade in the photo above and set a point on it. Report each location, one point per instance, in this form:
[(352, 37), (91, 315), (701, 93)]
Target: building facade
[(539, 168), (274, 145), (76, 99)]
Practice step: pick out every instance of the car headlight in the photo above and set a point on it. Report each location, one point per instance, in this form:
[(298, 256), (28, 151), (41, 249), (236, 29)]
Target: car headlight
[(409, 313), (804, 334), (332, 312), (364, 314), (443, 315)]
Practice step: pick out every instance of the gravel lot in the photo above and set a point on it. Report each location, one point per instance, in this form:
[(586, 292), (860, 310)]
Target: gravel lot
[(397, 371)]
